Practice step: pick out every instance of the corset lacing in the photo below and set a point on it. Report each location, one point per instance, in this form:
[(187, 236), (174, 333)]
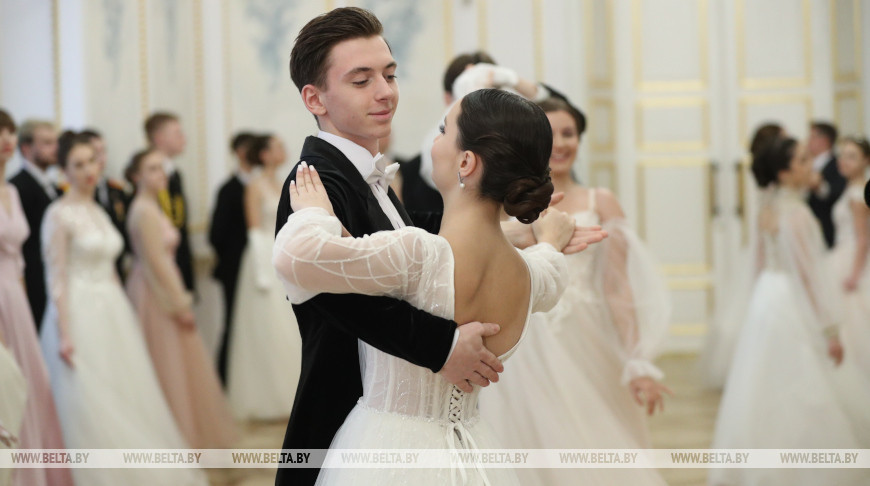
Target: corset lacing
[(459, 438)]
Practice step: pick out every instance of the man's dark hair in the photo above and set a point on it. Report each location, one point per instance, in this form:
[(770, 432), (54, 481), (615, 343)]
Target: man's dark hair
[(90, 134), (458, 64), (240, 139), (827, 130), (156, 121), (309, 59)]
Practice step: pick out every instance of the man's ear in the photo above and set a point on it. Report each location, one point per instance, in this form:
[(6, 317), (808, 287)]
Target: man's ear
[(311, 96)]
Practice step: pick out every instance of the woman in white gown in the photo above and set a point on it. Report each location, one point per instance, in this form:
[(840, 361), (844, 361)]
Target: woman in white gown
[(584, 377), (265, 348), (493, 141), (106, 391), (785, 389), (849, 256), (721, 340)]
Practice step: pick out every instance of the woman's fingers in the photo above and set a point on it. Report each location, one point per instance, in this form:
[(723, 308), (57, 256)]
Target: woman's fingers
[(306, 174), (316, 183)]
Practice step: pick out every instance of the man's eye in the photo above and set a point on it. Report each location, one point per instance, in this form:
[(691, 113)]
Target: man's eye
[(361, 83), (441, 129)]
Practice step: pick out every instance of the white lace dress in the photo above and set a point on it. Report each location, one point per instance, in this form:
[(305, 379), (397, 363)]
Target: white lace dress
[(110, 398), (265, 350), (403, 406)]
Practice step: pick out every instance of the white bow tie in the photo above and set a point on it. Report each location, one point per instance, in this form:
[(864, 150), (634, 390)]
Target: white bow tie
[(383, 173)]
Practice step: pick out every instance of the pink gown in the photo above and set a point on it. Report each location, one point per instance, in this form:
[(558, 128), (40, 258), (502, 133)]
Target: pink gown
[(186, 373), (40, 427)]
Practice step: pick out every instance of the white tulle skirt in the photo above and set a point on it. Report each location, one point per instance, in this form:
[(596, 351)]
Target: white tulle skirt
[(561, 390), (110, 399), (366, 428), (265, 350), (784, 392), (855, 307)]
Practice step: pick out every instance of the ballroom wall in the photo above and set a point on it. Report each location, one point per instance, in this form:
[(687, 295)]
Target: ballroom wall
[(672, 89)]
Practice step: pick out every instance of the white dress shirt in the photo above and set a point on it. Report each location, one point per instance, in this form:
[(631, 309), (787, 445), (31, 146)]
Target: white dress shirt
[(819, 164), (41, 177), (365, 163), (169, 166), (243, 177), (103, 191), (821, 160)]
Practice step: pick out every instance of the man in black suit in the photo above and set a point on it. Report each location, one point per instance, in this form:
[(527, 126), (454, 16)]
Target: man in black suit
[(112, 196), (163, 131), (828, 184), (228, 236), (37, 142), (345, 73)]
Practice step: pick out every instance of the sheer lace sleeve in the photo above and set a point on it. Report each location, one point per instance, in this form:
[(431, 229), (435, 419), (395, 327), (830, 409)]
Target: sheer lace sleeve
[(636, 297), (56, 237), (803, 248), (549, 271), (311, 257), (160, 270)]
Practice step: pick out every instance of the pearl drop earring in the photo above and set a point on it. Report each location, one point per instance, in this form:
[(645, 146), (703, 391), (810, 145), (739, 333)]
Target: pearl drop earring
[(461, 183)]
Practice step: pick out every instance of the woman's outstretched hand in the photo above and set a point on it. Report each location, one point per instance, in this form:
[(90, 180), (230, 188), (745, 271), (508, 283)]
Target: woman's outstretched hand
[(649, 393), (307, 190)]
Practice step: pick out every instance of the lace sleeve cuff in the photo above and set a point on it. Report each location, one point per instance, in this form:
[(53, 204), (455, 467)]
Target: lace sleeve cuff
[(636, 368)]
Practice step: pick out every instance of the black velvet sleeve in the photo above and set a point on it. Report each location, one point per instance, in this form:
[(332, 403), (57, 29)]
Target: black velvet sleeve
[(391, 325)]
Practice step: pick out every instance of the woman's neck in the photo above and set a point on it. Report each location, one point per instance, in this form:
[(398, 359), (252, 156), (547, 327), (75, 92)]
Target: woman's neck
[(562, 182), (79, 194), (856, 180), (467, 215), (147, 194)]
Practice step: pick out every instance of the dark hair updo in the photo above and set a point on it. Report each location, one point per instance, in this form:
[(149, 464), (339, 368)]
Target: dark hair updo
[(66, 142), (552, 104), (513, 138), (772, 159), (859, 141), (135, 164), (255, 147), (764, 136)]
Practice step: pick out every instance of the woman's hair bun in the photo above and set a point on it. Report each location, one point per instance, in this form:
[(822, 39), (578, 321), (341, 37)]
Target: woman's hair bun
[(526, 197)]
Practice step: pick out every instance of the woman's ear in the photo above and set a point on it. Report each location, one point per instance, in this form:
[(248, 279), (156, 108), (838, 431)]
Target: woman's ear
[(311, 96), (469, 164)]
